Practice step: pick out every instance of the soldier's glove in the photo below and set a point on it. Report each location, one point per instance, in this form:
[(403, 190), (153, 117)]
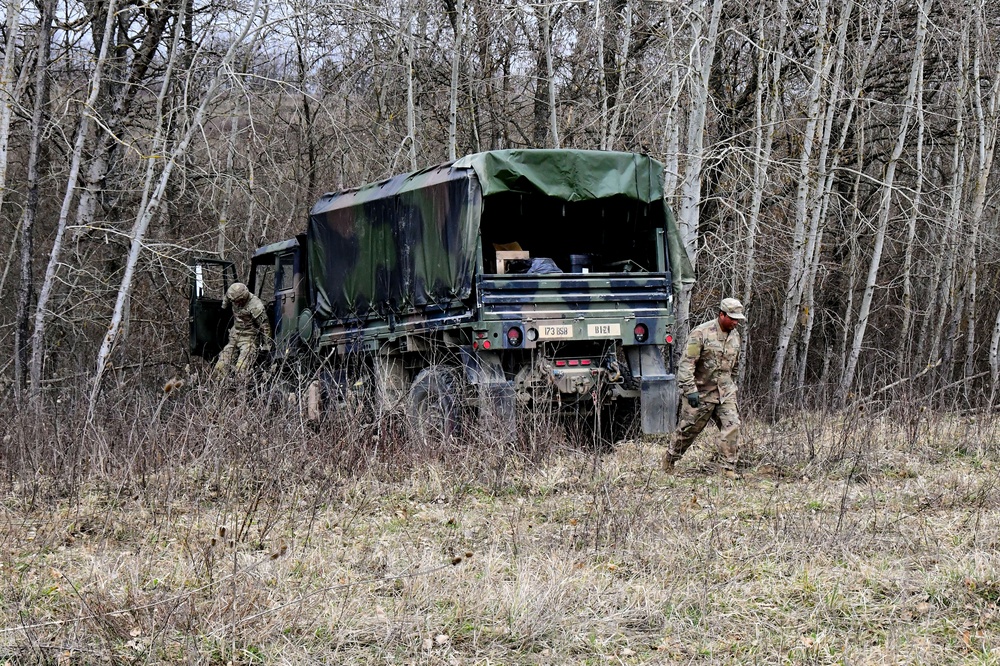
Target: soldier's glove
[(694, 399)]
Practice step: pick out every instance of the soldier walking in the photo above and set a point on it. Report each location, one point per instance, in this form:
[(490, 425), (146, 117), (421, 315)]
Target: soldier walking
[(250, 333), (705, 380)]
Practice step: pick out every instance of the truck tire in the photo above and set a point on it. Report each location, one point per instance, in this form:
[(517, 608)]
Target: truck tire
[(617, 422), (434, 403)]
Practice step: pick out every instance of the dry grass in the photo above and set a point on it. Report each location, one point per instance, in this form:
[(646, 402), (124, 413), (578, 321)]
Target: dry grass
[(190, 538)]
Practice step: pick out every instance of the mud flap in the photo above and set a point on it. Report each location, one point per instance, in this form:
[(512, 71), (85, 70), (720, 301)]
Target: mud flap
[(494, 392), (658, 389)]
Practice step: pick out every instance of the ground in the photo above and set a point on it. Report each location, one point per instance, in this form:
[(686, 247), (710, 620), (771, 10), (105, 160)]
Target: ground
[(854, 542)]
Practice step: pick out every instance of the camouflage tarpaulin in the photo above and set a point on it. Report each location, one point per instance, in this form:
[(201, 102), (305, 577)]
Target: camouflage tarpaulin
[(570, 175), (580, 175), (410, 241), (406, 242)]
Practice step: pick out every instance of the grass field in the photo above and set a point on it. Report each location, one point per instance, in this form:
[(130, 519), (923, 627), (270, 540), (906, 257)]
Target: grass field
[(866, 541)]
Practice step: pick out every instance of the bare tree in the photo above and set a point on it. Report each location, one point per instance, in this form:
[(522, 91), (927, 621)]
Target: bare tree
[(847, 380), (152, 196), (702, 54), (27, 283), (55, 255)]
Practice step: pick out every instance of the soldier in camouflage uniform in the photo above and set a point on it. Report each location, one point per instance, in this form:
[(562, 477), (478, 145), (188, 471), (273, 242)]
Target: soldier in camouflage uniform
[(705, 379), (250, 334)]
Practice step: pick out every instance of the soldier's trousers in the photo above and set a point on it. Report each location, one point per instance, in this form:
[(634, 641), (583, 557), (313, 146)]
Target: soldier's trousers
[(240, 352), (694, 419)]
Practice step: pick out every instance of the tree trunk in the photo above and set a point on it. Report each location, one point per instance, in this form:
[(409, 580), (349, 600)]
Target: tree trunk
[(602, 82), (411, 123), (8, 92), (27, 283), (953, 220), (620, 65), (800, 240), (847, 380), (994, 361), (55, 255), (688, 214), (904, 353), (151, 201), (986, 138), (456, 61), (550, 77), (764, 128)]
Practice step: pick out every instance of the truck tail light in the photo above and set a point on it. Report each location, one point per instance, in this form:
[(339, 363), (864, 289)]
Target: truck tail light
[(486, 344), (514, 337), (641, 333), (669, 339)]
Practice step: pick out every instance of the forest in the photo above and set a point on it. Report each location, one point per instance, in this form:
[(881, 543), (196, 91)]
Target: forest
[(828, 163)]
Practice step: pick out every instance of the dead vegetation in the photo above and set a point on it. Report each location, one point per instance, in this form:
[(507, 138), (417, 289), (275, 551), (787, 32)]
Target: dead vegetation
[(217, 527)]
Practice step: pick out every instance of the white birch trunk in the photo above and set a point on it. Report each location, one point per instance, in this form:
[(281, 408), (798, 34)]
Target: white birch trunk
[(994, 361), (986, 123), (550, 76), (800, 258), (55, 255), (602, 82), (411, 122), (702, 55), (621, 64), (456, 60), (26, 286), (953, 220), (764, 128), (847, 380), (904, 353), (670, 142), (152, 200), (8, 94), (824, 185)]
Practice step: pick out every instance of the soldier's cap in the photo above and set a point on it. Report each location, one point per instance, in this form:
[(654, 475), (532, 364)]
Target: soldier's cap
[(237, 292), (732, 307)]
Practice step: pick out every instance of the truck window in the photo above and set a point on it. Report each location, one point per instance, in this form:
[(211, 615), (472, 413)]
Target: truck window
[(264, 287), (210, 281), (286, 272)]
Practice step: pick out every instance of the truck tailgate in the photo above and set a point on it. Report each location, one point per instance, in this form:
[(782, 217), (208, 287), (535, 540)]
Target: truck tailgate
[(643, 293)]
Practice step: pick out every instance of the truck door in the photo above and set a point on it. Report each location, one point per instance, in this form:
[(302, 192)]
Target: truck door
[(286, 304), (208, 321)]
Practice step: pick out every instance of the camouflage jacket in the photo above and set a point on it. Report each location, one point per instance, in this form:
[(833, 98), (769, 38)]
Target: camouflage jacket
[(250, 319), (708, 363)]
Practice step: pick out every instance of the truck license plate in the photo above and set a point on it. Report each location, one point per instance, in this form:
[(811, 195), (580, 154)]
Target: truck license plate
[(604, 330), (555, 332)]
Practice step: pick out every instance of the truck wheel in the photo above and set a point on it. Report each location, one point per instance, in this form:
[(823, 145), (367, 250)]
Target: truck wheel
[(618, 421), (434, 403)]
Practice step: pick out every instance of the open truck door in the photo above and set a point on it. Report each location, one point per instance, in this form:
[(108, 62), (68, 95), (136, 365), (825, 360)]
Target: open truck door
[(209, 321), (277, 277)]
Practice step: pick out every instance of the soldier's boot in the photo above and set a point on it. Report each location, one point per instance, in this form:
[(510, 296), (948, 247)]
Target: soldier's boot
[(669, 457), (728, 469)]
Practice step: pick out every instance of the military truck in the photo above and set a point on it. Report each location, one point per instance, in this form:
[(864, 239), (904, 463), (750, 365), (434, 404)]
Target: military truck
[(513, 276)]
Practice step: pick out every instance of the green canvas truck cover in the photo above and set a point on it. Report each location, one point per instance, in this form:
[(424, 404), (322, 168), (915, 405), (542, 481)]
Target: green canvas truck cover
[(410, 241)]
